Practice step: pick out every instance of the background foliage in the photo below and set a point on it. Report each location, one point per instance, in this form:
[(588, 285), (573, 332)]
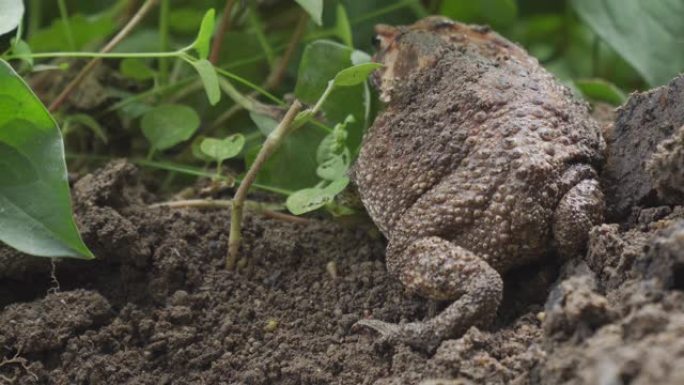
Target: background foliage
[(160, 101)]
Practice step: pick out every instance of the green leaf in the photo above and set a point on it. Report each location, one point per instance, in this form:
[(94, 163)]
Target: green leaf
[(332, 155), (293, 165), (342, 26), (498, 13), (335, 167), (86, 31), (321, 61), (264, 123), (314, 8), (11, 15), (167, 125), (203, 39), (601, 90), (21, 49), (355, 75), (222, 149), (35, 206), (310, 199), (648, 34), (184, 20), (136, 69), (209, 78), (360, 57)]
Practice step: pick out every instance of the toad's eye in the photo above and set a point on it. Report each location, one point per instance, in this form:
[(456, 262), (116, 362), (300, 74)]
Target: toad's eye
[(375, 40)]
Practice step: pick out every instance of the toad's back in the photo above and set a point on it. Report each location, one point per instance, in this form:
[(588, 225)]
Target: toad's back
[(473, 145)]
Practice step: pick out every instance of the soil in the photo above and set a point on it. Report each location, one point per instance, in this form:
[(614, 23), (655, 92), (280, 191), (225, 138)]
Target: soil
[(157, 306)]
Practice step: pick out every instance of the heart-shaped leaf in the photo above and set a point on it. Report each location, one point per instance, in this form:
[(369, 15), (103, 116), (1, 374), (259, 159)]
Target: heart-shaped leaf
[(222, 149), (35, 206), (167, 125)]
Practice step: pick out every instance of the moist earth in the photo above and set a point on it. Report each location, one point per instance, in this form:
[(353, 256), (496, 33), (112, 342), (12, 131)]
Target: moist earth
[(157, 306)]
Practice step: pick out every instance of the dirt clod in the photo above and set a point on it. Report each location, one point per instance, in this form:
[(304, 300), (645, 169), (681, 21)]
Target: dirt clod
[(644, 122)]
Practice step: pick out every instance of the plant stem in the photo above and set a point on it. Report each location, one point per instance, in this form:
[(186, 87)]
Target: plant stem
[(224, 26), (132, 23), (278, 73), (36, 16), (265, 209), (67, 26), (163, 40), (250, 85), (233, 93), (271, 144)]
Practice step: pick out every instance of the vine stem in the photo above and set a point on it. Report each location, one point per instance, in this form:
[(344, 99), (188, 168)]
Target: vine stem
[(262, 208), (132, 23), (271, 144), (164, 11), (224, 26)]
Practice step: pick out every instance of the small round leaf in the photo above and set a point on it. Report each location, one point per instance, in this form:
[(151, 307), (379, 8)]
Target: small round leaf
[(167, 125), (222, 149)]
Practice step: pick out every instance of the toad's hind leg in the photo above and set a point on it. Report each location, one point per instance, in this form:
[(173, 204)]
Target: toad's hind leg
[(579, 210), (438, 269)]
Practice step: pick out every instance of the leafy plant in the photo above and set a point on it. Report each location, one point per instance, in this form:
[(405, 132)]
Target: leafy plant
[(648, 36), (167, 125), (222, 149), (35, 207)]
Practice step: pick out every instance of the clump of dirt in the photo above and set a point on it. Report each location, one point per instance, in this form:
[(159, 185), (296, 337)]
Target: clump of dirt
[(157, 306)]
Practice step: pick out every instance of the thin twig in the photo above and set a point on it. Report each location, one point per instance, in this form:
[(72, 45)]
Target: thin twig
[(135, 20), (224, 26), (275, 77), (271, 143), (264, 209), (16, 360)]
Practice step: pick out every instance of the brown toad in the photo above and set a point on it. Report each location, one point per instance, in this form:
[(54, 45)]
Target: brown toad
[(480, 162)]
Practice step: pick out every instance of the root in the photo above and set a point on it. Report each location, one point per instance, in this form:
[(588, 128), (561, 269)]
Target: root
[(21, 362), (265, 209)]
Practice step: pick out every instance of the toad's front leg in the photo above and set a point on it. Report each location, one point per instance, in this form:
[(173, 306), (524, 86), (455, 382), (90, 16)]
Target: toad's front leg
[(437, 269)]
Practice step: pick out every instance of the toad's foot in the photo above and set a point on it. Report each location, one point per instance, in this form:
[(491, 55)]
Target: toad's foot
[(438, 269), (416, 334)]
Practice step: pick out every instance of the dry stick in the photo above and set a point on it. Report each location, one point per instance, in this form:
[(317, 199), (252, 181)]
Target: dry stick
[(223, 27), (135, 20), (226, 203), (277, 74), (270, 145)]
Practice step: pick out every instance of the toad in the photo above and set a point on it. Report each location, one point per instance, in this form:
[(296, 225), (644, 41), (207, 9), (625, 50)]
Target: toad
[(480, 162)]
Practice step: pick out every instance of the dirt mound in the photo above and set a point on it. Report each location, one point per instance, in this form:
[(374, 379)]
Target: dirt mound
[(157, 306)]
